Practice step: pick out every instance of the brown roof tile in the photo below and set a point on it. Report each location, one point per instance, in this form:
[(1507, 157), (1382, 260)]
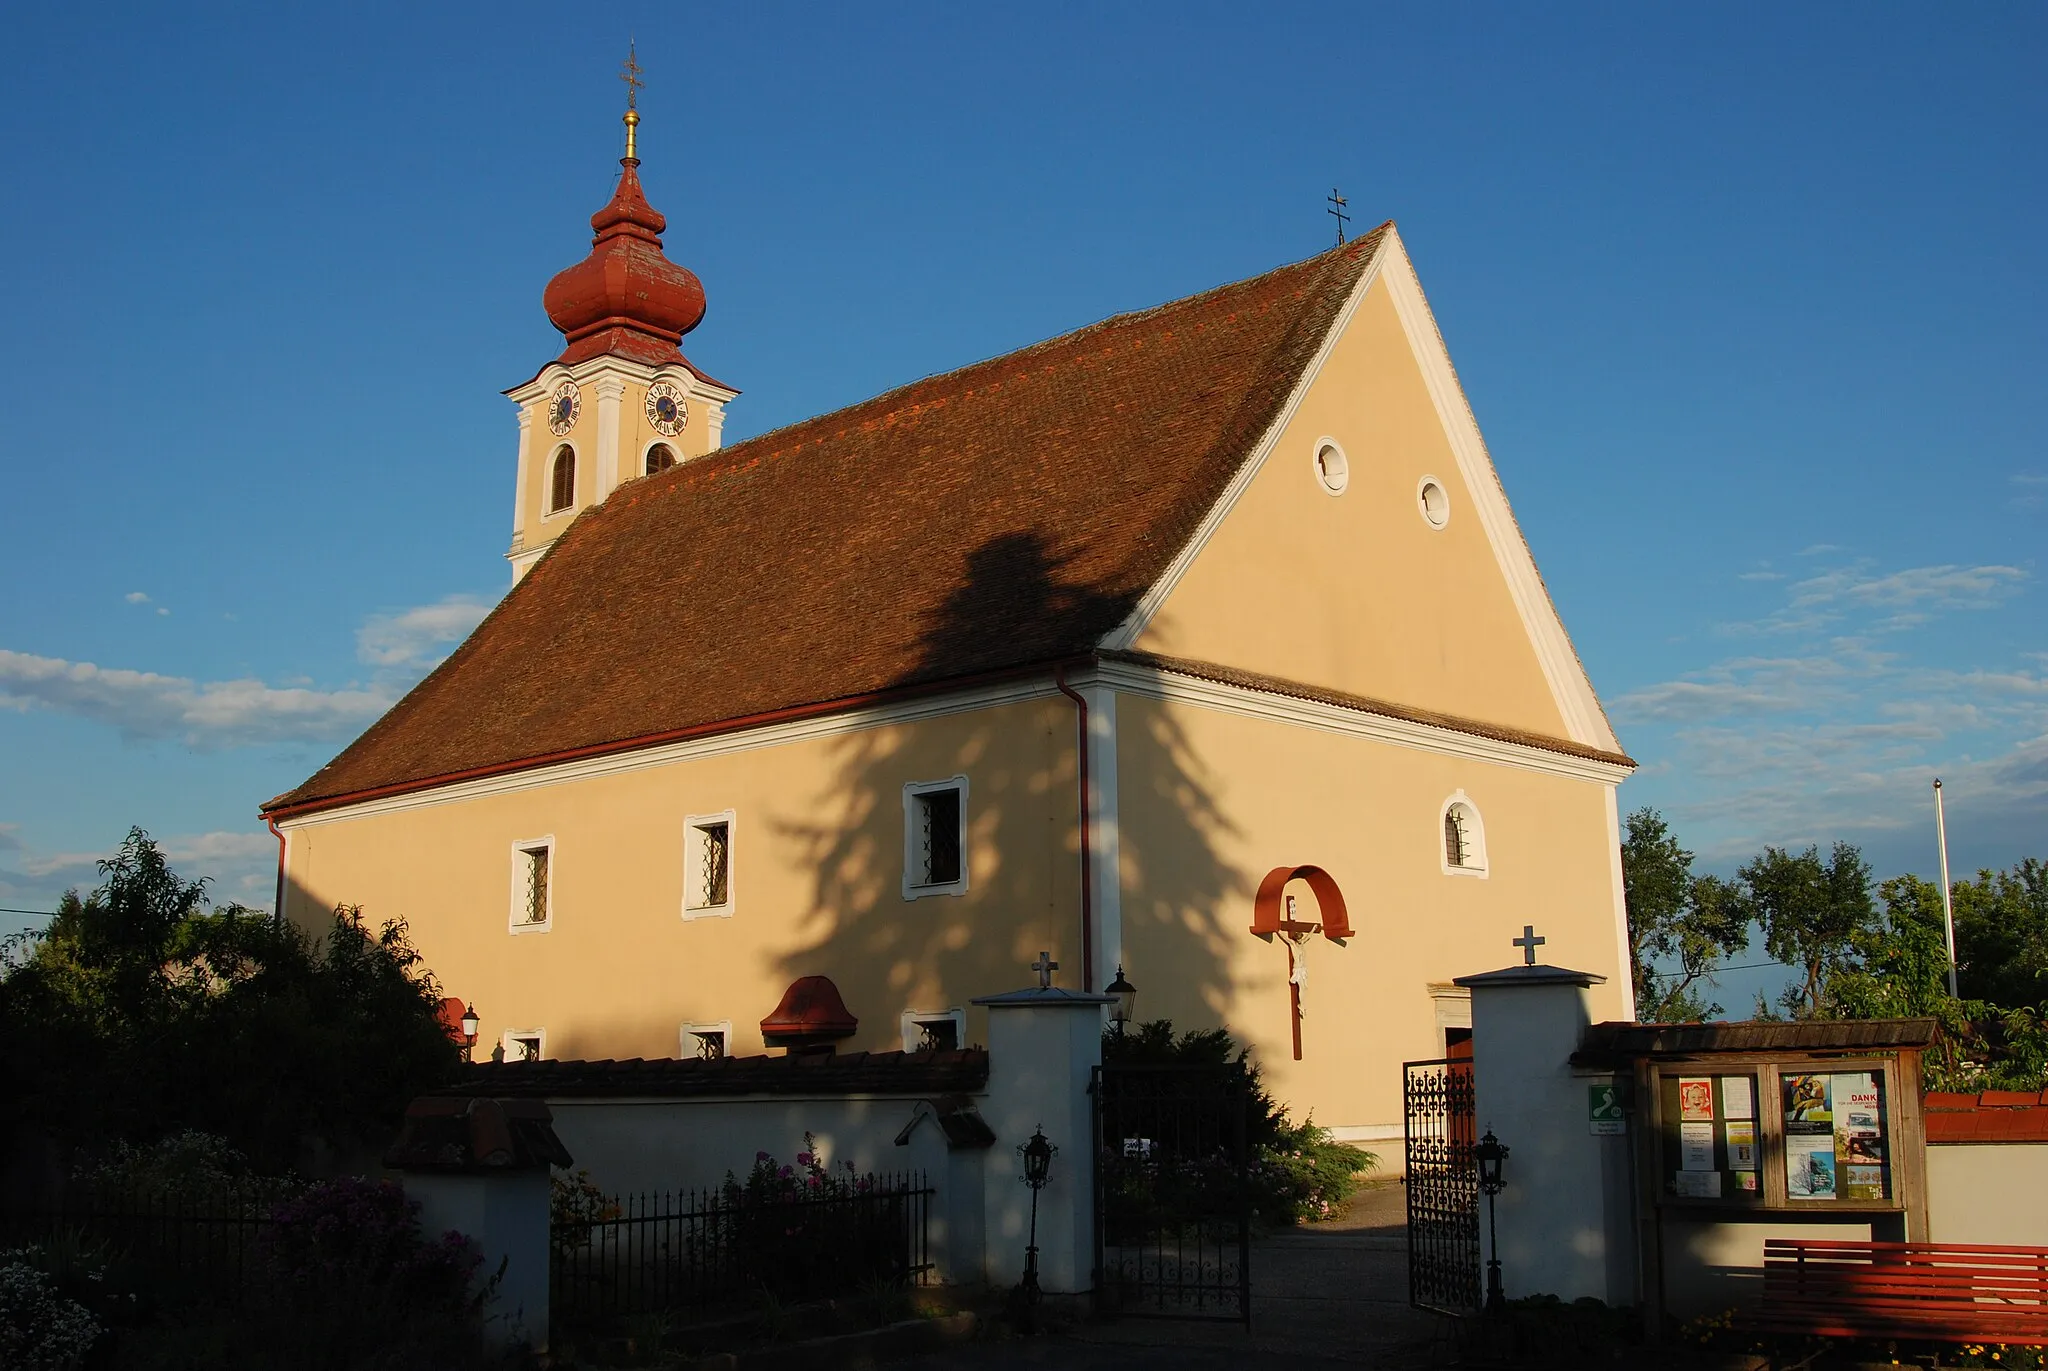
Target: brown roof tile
[(1007, 514), (1614, 1041)]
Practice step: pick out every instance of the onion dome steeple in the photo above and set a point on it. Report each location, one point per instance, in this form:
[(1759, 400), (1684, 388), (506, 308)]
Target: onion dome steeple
[(626, 298)]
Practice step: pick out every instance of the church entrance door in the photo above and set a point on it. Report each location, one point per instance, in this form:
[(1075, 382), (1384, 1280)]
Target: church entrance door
[(1172, 1192), (1443, 1185)]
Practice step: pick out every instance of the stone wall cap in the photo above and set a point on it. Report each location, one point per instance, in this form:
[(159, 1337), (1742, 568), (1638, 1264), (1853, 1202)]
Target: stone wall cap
[(1530, 975), (1044, 997)]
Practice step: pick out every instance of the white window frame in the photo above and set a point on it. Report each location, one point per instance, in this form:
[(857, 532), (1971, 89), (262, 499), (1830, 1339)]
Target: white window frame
[(686, 1037), (540, 1035), (1422, 502), (913, 857), (1475, 838), (515, 915), (691, 871), (912, 1018)]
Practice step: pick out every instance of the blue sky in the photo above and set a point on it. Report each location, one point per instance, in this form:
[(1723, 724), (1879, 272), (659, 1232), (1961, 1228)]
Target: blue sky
[(1748, 304)]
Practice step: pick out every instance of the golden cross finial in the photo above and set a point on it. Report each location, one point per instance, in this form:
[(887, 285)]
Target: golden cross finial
[(629, 72)]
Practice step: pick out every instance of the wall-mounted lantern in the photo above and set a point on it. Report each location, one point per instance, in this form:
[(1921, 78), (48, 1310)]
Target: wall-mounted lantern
[(1126, 1006)]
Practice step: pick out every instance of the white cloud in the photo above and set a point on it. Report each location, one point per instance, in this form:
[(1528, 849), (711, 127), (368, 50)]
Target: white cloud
[(136, 597), (1819, 549), (1885, 602), (240, 866), (1761, 576), (408, 638), (206, 715)]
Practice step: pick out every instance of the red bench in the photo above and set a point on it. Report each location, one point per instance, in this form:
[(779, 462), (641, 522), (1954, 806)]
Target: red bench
[(1944, 1292)]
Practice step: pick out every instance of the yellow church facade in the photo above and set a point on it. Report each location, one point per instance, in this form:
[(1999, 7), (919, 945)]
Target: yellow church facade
[(1063, 652)]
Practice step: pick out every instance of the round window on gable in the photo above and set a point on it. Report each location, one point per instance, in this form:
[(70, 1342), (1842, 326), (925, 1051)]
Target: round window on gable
[(1434, 501), (1333, 468)]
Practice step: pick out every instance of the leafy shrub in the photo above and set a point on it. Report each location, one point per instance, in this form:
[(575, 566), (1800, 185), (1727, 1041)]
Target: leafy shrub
[(575, 1209), (40, 1330), (365, 1236), (1298, 1173), (807, 1230)]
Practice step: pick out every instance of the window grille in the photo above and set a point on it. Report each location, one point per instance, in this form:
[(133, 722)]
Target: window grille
[(537, 885), (710, 1043), (660, 457), (1457, 848), (714, 859), (524, 1049), (937, 1035), (938, 815)]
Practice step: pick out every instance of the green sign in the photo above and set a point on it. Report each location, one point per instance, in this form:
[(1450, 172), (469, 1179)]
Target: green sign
[(1605, 1115)]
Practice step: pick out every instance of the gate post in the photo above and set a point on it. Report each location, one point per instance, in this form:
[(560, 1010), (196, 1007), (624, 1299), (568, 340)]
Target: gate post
[(1557, 1234), (1043, 1047)]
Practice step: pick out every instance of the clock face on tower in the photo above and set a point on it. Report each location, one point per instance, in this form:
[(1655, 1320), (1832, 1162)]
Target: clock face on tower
[(563, 407), (667, 410)]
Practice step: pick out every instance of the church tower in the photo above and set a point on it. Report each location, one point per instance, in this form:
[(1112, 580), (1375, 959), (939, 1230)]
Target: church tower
[(621, 401)]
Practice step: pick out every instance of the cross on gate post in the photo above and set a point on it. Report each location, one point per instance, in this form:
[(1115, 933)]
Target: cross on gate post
[(1045, 966), (1529, 942)]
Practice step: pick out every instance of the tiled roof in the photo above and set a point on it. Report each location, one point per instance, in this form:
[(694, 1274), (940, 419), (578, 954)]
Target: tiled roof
[(974, 523), (482, 1133), (1605, 1043), (957, 1072), (1993, 1116)]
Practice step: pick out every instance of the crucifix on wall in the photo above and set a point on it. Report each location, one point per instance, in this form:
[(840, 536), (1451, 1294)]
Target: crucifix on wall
[(1275, 914)]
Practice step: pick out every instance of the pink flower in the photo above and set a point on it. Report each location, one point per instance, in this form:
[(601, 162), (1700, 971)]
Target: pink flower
[(803, 1159), (760, 1156)]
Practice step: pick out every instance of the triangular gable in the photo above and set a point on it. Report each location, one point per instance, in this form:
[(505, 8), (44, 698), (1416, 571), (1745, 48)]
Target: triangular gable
[(1358, 591)]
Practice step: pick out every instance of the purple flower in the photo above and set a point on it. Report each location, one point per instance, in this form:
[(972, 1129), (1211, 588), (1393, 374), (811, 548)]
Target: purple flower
[(803, 1159), (760, 1156), (787, 1172)]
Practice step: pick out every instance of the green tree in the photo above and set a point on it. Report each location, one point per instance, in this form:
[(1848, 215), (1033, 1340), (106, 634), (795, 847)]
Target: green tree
[(2002, 935), (140, 1011), (1675, 916), (1813, 914)]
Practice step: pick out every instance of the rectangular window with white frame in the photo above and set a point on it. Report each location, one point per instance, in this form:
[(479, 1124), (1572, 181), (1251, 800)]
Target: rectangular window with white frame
[(533, 885), (524, 1044), (934, 1030), (707, 1041), (707, 866), (935, 838)]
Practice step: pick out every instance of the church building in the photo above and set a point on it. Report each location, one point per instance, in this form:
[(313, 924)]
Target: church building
[(1198, 644)]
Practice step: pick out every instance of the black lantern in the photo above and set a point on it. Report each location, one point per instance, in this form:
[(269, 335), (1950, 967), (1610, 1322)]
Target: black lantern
[(1121, 1012), (1490, 1154), (1037, 1155)]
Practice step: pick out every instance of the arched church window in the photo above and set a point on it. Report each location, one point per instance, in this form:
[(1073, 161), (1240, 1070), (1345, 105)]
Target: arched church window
[(562, 487), (1464, 838), (660, 457)]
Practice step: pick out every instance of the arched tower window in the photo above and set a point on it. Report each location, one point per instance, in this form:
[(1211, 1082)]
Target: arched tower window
[(1464, 838), (660, 457), (562, 484)]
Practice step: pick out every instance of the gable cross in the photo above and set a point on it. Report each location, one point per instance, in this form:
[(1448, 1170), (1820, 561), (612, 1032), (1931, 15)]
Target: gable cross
[(1337, 203), (1529, 942), (1045, 966)]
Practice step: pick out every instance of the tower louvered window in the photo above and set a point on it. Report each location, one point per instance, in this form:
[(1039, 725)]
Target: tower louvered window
[(562, 486)]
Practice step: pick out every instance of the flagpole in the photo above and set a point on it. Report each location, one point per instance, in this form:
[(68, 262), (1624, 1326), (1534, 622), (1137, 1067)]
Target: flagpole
[(1948, 909)]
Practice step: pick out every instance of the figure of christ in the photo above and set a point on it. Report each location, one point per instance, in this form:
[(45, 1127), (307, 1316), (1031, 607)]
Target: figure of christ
[(1297, 935)]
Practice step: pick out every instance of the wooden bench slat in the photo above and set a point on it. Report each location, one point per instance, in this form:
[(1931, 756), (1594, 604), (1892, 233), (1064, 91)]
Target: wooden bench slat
[(1945, 1291)]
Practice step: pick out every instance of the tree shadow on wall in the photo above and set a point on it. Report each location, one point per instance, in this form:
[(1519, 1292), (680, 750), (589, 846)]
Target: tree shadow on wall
[(890, 953)]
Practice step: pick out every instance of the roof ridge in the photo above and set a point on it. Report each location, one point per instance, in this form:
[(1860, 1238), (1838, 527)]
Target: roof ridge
[(1359, 249)]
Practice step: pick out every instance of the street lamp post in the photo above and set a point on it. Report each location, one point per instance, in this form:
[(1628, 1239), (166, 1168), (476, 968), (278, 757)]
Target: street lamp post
[(1038, 1154), (1490, 1154), (470, 1023)]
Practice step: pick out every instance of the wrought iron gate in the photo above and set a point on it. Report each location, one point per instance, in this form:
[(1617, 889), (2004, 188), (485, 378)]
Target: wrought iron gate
[(1443, 1187), (1172, 1192)]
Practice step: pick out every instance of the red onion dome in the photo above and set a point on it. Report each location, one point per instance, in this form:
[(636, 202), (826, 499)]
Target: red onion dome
[(625, 297)]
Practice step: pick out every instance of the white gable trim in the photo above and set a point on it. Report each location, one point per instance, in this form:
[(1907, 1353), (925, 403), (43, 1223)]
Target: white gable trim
[(1126, 634), (1570, 687), (1164, 684)]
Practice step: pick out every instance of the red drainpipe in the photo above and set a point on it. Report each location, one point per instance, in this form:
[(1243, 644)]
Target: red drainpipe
[(1059, 678)]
